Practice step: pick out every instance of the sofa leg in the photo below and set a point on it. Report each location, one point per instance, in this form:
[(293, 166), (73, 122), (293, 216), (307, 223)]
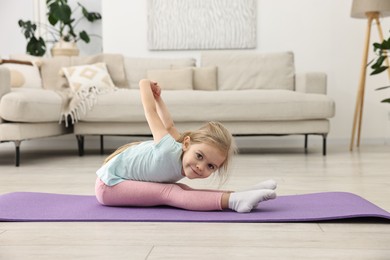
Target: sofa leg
[(80, 144), (101, 144), (17, 153), (306, 140), (324, 136)]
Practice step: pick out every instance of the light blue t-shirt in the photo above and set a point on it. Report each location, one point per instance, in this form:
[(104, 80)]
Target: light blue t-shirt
[(146, 161)]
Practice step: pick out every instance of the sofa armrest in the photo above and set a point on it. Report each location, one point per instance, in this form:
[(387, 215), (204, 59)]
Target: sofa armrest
[(311, 82), (5, 81)]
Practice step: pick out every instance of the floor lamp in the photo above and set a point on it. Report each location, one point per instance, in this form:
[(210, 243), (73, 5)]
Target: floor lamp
[(370, 10)]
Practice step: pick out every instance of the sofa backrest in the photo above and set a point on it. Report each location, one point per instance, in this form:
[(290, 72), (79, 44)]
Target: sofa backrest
[(137, 68), (51, 67), (251, 70)]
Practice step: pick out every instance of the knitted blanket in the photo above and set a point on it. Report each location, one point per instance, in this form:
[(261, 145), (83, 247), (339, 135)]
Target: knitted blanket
[(63, 75), (77, 103)]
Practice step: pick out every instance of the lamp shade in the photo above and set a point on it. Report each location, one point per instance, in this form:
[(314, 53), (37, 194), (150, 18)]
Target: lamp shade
[(361, 7)]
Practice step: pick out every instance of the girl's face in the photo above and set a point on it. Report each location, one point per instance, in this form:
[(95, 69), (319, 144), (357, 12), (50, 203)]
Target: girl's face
[(200, 160)]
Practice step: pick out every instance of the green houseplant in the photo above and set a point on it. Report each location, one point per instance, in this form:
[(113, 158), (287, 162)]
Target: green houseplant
[(382, 51), (62, 26)]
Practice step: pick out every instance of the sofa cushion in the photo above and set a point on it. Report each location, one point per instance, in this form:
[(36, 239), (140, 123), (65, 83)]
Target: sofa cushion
[(31, 105), (51, 67), (114, 62), (50, 71), (172, 79), (189, 105), (251, 70), (205, 78), (23, 75), (136, 68), (88, 75)]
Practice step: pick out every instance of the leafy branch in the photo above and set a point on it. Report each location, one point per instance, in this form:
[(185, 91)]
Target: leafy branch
[(381, 50)]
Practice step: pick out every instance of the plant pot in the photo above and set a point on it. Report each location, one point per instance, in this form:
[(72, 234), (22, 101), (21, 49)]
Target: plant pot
[(63, 48)]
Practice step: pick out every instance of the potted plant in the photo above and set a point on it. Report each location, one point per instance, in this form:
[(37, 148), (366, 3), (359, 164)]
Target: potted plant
[(382, 51), (61, 28)]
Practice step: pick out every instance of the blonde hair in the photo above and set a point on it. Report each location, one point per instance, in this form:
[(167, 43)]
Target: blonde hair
[(216, 135), (212, 133)]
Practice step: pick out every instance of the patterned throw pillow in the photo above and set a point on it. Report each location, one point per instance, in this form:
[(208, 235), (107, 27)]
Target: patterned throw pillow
[(92, 75), (24, 74)]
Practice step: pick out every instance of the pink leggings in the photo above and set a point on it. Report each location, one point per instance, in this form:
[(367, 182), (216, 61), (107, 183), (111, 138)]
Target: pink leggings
[(145, 194)]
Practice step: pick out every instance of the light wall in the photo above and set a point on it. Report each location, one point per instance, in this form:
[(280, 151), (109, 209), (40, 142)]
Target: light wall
[(322, 35), (13, 41)]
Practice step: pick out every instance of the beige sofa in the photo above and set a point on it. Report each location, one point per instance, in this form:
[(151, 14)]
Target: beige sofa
[(251, 93), (25, 115)]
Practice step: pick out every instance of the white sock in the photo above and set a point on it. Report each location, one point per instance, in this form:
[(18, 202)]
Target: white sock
[(265, 185), (245, 201)]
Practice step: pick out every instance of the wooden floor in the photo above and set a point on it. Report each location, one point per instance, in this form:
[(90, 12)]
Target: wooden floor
[(365, 172)]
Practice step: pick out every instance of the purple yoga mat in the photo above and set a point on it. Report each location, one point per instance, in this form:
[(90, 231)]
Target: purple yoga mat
[(30, 206)]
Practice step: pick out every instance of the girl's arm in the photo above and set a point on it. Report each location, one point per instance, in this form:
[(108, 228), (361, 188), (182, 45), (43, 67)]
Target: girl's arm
[(155, 123), (163, 112)]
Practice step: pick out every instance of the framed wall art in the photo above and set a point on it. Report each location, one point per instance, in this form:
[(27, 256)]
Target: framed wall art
[(201, 24)]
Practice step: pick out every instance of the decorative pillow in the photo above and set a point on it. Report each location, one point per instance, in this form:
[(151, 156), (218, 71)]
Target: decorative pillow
[(136, 68), (24, 74), (205, 78), (114, 62), (179, 79), (92, 75)]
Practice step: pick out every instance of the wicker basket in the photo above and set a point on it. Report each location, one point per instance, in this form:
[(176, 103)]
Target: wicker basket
[(63, 48)]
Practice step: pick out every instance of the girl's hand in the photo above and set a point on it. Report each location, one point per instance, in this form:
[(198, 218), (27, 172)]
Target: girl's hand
[(156, 89)]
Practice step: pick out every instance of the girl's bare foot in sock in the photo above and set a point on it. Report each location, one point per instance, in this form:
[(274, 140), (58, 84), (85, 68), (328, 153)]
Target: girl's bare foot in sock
[(245, 201)]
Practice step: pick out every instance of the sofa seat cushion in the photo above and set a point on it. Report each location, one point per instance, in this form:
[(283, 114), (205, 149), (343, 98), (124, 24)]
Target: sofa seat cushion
[(31, 105), (239, 105)]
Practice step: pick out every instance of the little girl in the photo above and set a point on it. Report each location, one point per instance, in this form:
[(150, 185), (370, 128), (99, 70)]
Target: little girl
[(146, 173)]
